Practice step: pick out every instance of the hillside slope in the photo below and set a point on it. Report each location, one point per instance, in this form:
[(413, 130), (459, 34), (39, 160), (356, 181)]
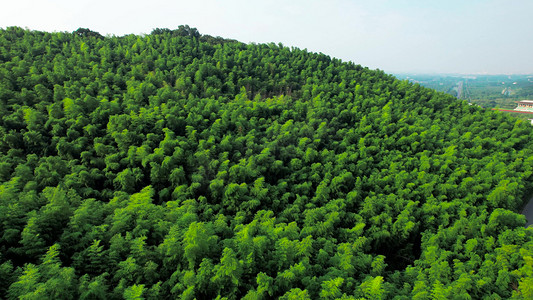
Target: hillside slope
[(182, 165)]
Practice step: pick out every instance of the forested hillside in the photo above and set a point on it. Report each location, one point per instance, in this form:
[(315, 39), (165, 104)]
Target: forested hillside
[(179, 165)]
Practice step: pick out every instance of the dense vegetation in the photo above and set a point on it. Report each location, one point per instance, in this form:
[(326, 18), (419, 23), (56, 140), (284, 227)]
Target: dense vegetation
[(182, 165)]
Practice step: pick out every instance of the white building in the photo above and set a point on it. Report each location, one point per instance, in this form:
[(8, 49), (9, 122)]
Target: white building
[(525, 105)]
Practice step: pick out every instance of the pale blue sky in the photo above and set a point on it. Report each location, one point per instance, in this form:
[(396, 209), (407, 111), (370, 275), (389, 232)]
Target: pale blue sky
[(453, 36)]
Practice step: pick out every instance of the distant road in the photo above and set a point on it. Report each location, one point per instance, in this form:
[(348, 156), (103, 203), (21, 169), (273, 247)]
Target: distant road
[(514, 111), (460, 90), (528, 212)]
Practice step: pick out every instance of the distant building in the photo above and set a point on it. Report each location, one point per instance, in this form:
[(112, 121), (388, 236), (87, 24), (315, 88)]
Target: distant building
[(525, 105), (506, 92)]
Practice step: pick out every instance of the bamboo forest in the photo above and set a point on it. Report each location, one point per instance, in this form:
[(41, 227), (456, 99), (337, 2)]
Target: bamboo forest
[(177, 165)]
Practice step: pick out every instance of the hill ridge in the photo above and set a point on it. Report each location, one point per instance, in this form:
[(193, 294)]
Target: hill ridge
[(180, 165)]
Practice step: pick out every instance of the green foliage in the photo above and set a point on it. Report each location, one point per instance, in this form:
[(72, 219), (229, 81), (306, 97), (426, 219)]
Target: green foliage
[(180, 165)]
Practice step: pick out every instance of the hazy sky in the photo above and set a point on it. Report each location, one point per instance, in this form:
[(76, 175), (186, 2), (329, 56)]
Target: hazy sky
[(446, 36)]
